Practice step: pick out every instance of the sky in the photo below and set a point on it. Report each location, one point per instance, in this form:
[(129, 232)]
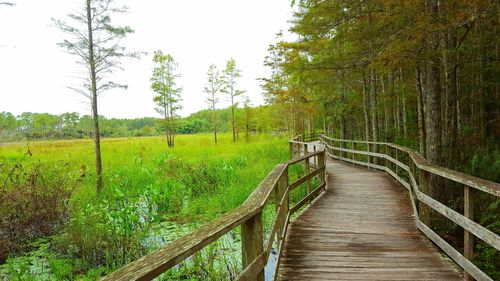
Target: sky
[(35, 73)]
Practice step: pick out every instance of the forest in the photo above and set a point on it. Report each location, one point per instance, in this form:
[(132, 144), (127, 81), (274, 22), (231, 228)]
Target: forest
[(44, 126), (424, 74), (82, 195)]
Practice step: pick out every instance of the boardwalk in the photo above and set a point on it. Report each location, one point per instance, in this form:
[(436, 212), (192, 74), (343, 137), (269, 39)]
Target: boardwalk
[(361, 228)]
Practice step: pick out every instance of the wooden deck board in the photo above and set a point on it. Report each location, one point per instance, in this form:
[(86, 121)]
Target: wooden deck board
[(361, 228)]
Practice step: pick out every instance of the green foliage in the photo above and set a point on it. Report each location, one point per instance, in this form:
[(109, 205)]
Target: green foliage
[(151, 196), (33, 201), (485, 163)]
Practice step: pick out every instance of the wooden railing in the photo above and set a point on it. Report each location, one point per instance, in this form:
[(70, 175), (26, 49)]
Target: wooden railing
[(412, 171), (275, 188), (308, 137)]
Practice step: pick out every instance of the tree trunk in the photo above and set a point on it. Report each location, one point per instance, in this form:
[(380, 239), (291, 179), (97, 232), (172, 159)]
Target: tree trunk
[(387, 112), (95, 115), (365, 107), (215, 134), (433, 102), (452, 128), (433, 118), (373, 104), (232, 117), (405, 121), (420, 111)]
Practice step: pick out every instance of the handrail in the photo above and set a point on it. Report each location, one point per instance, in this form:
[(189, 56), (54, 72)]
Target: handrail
[(420, 162), (255, 253), (417, 163)]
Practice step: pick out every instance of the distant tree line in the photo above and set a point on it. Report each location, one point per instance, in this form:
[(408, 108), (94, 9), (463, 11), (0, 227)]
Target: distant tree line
[(72, 125)]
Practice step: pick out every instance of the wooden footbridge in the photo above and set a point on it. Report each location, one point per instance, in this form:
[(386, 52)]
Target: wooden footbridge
[(351, 223)]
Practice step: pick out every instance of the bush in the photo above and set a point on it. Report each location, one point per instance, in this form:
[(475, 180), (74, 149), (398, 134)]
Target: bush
[(110, 231), (33, 203)]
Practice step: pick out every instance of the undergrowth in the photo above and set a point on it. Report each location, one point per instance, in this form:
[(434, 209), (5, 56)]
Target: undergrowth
[(147, 187)]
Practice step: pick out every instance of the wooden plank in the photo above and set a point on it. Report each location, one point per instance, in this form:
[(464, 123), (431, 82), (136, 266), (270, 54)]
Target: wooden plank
[(468, 238), (252, 244), (374, 154), (282, 243), (283, 189), (322, 164), (477, 183), (253, 269), (278, 223), (478, 230), (399, 179), (307, 167), (303, 158), (361, 163), (362, 229), (306, 178), (453, 254), (308, 198), (401, 165), (263, 192), (356, 141), (308, 143)]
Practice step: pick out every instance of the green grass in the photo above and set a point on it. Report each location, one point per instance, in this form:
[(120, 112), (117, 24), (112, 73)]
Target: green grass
[(145, 183)]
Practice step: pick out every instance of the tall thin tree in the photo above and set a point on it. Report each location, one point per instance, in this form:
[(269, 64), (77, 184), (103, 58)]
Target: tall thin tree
[(96, 42), (230, 74), (212, 88), (168, 94), (247, 105)]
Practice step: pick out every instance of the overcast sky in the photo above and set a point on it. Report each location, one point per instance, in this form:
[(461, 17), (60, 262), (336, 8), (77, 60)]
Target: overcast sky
[(35, 72)]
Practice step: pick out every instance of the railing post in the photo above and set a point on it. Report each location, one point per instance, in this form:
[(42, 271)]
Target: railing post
[(281, 191), (353, 148), (322, 163), (252, 242), (423, 183), (468, 237), (315, 159), (291, 149), (339, 145), (307, 167), (387, 154), (368, 149), (397, 158)]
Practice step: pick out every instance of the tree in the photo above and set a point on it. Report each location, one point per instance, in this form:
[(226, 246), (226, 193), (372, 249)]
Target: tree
[(96, 42), (44, 124), (168, 94), (247, 105), (8, 123), (230, 74), (212, 88)]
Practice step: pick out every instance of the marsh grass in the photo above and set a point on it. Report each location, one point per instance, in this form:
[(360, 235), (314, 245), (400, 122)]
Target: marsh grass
[(146, 185)]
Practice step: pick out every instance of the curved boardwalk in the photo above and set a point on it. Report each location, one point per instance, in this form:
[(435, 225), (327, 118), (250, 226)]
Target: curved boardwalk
[(361, 228)]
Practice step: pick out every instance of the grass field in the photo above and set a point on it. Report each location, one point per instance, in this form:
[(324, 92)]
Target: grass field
[(146, 185)]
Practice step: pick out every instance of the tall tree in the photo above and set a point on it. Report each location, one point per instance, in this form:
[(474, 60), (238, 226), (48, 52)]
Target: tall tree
[(247, 105), (212, 88), (230, 74), (168, 93), (96, 42)]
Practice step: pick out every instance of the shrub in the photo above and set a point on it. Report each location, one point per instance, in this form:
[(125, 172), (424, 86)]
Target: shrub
[(33, 202), (109, 231)]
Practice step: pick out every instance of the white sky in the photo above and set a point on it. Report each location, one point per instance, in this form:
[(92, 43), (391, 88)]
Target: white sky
[(35, 72)]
